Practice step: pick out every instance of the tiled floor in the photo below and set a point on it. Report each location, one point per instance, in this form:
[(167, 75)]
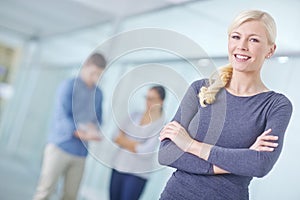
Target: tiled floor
[(18, 177)]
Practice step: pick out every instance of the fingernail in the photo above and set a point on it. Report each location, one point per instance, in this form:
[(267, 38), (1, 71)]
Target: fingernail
[(275, 144)]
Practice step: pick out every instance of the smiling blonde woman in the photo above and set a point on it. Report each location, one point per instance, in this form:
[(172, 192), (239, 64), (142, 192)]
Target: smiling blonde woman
[(251, 138)]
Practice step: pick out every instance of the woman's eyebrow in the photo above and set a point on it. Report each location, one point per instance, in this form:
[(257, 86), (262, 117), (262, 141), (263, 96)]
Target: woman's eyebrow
[(252, 34)]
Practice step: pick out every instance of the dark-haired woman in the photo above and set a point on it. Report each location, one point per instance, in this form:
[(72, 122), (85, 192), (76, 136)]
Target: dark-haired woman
[(137, 140)]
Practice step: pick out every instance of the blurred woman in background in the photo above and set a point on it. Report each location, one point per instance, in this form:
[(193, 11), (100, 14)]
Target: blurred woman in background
[(137, 138)]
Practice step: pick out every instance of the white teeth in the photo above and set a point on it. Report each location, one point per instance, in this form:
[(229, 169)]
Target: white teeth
[(242, 57)]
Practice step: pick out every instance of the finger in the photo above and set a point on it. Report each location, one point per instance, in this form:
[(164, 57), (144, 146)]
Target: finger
[(254, 147), (162, 132), (161, 138), (166, 127), (269, 149), (267, 132), (165, 136), (168, 132), (176, 124), (269, 137), (168, 124), (269, 144), (172, 128)]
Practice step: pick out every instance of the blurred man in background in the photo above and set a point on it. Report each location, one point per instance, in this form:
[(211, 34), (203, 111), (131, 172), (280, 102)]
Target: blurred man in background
[(77, 114)]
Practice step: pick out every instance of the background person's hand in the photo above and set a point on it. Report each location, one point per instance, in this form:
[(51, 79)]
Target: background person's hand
[(88, 132), (265, 142), (93, 132), (84, 135)]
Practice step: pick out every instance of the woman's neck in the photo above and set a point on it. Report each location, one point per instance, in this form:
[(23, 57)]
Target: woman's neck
[(243, 84), (151, 116)]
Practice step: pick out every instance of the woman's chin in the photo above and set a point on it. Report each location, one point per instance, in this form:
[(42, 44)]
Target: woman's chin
[(240, 67)]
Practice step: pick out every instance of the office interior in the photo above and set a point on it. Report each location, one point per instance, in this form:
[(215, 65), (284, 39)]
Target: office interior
[(44, 42)]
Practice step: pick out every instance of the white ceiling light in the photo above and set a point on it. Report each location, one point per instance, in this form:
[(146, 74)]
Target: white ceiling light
[(283, 59)]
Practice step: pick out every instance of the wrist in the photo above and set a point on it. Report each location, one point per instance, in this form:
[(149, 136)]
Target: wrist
[(192, 149), (200, 149)]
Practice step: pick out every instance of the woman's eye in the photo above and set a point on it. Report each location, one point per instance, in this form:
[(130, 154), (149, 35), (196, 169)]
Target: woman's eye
[(236, 37), (254, 40)]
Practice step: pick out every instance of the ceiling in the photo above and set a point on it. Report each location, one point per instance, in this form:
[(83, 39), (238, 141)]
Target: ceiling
[(205, 21), (50, 17)]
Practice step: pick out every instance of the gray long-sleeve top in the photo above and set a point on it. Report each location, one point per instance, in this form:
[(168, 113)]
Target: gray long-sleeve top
[(232, 124)]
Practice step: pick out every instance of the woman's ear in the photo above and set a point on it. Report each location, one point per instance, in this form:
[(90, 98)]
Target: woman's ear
[(272, 50)]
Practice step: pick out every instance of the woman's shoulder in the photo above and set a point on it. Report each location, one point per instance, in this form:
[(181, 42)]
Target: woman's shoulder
[(66, 85), (136, 115), (280, 99), (275, 102)]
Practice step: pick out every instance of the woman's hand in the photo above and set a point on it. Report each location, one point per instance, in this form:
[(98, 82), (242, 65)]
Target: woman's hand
[(118, 140), (175, 132), (265, 142), (123, 141)]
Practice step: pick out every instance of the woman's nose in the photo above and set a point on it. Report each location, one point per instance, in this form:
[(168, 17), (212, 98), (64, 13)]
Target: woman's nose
[(243, 45)]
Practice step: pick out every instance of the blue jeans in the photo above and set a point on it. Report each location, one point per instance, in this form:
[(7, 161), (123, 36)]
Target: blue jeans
[(125, 186)]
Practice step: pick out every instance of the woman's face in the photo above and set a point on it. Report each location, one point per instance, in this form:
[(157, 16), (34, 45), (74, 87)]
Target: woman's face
[(153, 100), (248, 47)]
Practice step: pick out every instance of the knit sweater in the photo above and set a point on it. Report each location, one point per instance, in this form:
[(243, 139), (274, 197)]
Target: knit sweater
[(232, 124)]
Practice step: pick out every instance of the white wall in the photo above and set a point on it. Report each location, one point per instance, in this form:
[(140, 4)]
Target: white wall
[(30, 110)]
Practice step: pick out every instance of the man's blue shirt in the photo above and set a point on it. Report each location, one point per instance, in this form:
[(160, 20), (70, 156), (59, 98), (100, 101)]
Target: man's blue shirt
[(75, 104)]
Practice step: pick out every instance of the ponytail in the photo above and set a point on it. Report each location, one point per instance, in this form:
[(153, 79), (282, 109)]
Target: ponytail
[(218, 80)]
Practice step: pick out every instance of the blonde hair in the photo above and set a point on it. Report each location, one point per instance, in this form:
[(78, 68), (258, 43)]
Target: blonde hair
[(219, 79), (256, 15)]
